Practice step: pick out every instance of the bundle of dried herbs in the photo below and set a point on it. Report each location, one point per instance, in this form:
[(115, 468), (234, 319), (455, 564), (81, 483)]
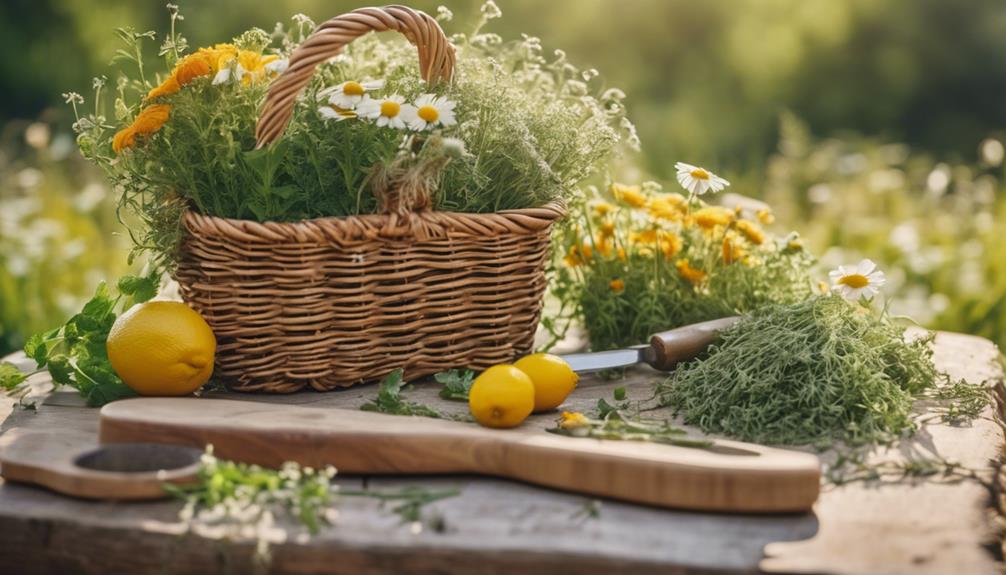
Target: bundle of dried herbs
[(813, 372)]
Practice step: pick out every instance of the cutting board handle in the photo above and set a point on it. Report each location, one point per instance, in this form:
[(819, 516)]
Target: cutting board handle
[(744, 478)]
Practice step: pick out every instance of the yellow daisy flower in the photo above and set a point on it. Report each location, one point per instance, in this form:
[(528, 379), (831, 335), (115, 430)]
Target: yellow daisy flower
[(603, 208), (732, 252), (617, 285), (574, 420), (751, 231), (694, 276), (631, 195), (765, 216), (709, 217)]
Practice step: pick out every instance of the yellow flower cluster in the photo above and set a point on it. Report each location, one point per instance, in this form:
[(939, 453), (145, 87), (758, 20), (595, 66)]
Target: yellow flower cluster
[(204, 62), (649, 224)]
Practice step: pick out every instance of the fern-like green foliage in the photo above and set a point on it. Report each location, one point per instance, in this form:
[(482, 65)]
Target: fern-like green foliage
[(817, 371)]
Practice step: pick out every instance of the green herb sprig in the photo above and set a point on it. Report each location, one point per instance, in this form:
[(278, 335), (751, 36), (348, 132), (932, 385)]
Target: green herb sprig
[(389, 399), (821, 370), (618, 426), (75, 354), (457, 383)]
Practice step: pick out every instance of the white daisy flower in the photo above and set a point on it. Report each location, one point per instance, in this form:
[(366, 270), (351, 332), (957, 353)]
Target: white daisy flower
[(698, 180), (336, 113), (854, 282), (431, 111), (390, 111), (277, 66), (226, 73), (348, 95)]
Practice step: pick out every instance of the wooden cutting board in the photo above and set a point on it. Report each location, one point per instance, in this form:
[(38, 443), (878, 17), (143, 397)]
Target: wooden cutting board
[(731, 476)]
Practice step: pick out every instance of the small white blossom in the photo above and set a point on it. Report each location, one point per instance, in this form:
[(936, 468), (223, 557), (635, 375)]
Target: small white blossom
[(391, 111), (698, 180), (490, 10), (277, 66), (348, 95), (432, 111), (855, 282), (444, 14)]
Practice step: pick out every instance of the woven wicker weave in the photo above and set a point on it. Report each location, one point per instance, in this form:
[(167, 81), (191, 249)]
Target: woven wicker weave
[(332, 302)]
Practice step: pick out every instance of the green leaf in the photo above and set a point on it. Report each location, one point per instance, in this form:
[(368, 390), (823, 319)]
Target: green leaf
[(37, 349), (140, 289), (619, 393), (11, 376), (457, 384), (60, 370), (107, 392), (389, 399)]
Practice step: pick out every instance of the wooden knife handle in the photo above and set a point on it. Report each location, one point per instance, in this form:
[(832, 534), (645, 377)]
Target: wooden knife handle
[(684, 343)]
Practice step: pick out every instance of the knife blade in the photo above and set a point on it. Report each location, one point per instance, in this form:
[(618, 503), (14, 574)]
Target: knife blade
[(665, 350)]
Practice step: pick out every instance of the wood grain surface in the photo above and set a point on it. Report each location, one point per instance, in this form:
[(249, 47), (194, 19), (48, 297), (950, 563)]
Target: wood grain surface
[(730, 476), (55, 460), (931, 525)]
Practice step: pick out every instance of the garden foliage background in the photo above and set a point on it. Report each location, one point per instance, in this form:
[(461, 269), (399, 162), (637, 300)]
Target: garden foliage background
[(873, 128)]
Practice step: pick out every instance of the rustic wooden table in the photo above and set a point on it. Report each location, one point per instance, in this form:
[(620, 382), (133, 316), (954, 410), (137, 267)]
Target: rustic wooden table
[(936, 525)]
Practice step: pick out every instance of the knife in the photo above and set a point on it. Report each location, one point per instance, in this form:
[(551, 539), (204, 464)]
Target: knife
[(665, 350)]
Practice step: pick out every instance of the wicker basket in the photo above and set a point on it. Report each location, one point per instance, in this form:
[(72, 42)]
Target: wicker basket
[(333, 302)]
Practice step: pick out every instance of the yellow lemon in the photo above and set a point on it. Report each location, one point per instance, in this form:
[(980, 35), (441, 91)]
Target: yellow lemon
[(503, 396), (553, 379), (162, 348)]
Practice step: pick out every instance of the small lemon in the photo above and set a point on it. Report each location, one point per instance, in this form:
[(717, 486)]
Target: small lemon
[(553, 379), (162, 348), (503, 396)]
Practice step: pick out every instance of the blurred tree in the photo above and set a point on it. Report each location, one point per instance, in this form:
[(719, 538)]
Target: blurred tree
[(706, 80)]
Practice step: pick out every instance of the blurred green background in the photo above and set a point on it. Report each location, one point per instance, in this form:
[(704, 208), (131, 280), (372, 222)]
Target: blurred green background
[(873, 127)]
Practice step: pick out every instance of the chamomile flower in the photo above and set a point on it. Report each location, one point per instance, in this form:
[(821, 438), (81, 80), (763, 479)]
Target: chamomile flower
[(431, 111), (336, 113), (348, 95), (390, 111), (277, 66), (698, 180), (854, 282)]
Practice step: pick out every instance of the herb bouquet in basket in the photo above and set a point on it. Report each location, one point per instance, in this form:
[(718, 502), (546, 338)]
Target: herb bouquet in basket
[(338, 205)]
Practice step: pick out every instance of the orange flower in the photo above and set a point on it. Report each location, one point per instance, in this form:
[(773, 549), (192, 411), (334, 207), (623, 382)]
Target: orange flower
[(731, 251), (149, 120), (712, 216), (167, 87), (152, 118), (751, 231), (204, 62), (124, 138), (574, 420), (192, 67), (765, 216), (607, 229), (617, 285), (631, 195), (603, 208), (646, 237), (693, 275), (666, 208), (604, 247), (578, 255), (670, 244)]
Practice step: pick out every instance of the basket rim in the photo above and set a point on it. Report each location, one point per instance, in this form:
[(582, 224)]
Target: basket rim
[(420, 225)]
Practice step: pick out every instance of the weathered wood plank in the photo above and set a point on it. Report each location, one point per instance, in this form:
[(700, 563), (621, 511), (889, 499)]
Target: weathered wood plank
[(503, 527)]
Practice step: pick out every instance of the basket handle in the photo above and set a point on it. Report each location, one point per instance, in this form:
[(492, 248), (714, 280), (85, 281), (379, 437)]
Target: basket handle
[(436, 57)]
